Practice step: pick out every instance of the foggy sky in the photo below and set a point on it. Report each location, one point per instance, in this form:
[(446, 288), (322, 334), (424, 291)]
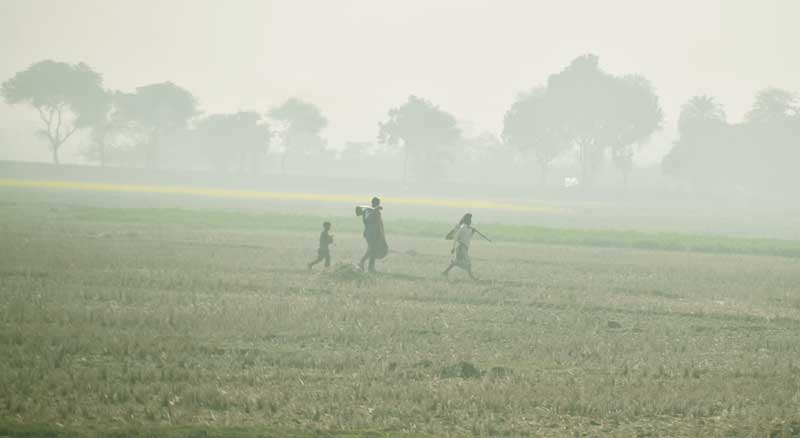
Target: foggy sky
[(358, 58)]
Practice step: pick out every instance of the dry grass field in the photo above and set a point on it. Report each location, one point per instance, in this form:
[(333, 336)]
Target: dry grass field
[(115, 325)]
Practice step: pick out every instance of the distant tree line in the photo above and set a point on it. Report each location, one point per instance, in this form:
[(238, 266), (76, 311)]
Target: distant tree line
[(581, 113), (759, 154)]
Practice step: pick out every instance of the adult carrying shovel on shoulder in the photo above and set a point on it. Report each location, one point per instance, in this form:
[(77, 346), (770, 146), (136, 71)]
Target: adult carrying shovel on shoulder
[(461, 235), (377, 248)]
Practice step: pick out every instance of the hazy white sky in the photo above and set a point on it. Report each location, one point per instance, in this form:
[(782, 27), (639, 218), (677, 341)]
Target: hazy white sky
[(358, 58)]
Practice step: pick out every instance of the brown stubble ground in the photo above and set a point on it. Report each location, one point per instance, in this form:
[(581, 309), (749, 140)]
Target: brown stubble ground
[(154, 327)]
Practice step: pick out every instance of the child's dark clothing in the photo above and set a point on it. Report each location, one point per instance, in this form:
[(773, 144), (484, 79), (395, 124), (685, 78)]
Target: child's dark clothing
[(323, 253), (325, 240)]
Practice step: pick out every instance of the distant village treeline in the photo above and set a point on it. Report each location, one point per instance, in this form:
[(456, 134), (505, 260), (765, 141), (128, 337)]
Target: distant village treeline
[(582, 115)]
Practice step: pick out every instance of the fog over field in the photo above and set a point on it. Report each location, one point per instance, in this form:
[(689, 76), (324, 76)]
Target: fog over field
[(352, 62), (420, 218)]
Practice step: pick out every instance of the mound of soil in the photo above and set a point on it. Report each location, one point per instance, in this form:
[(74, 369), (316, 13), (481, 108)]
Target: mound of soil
[(346, 272)]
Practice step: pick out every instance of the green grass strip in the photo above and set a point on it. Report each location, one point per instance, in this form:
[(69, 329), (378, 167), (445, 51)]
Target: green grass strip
[(238, 220)]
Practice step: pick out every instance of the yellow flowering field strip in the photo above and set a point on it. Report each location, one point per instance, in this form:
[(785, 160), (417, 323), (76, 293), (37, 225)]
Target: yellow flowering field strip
[(277, 196)]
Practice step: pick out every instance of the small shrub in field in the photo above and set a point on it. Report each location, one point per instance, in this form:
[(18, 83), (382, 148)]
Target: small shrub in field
[(500, 372), (464, 370)]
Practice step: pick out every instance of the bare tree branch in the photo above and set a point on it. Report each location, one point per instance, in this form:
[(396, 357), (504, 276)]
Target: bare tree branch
[(69, 134), (58, 126), (48, 121), (43, 117)]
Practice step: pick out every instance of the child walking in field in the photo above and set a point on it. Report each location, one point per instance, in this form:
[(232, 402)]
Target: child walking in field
[(325, 240), (462, 237)]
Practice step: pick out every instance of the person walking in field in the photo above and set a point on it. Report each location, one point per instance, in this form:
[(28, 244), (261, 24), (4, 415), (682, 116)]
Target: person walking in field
[(324, 252), (461, 235), (377, 248)]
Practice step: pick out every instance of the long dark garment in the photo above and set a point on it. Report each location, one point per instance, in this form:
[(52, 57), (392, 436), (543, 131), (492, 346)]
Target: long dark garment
[(377, 248)]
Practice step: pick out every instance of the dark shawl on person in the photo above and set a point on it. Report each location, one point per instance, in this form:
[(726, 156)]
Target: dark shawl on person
[(374, 233)]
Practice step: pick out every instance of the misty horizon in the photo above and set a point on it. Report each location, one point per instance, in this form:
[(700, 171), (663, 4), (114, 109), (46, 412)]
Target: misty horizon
[(356, 60)]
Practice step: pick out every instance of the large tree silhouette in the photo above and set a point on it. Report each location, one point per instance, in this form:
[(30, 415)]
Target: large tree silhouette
[(587, 110), (67, 98), (227, 138), (582, 98), (532, 126), (153, 112), (633, 117), (423, 131), (300, 125), (700, 149), (772, 133), (106, 132), (773, 104)]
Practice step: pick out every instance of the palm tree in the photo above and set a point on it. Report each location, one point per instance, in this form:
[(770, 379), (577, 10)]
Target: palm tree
[(702, 143), (700, 111)]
